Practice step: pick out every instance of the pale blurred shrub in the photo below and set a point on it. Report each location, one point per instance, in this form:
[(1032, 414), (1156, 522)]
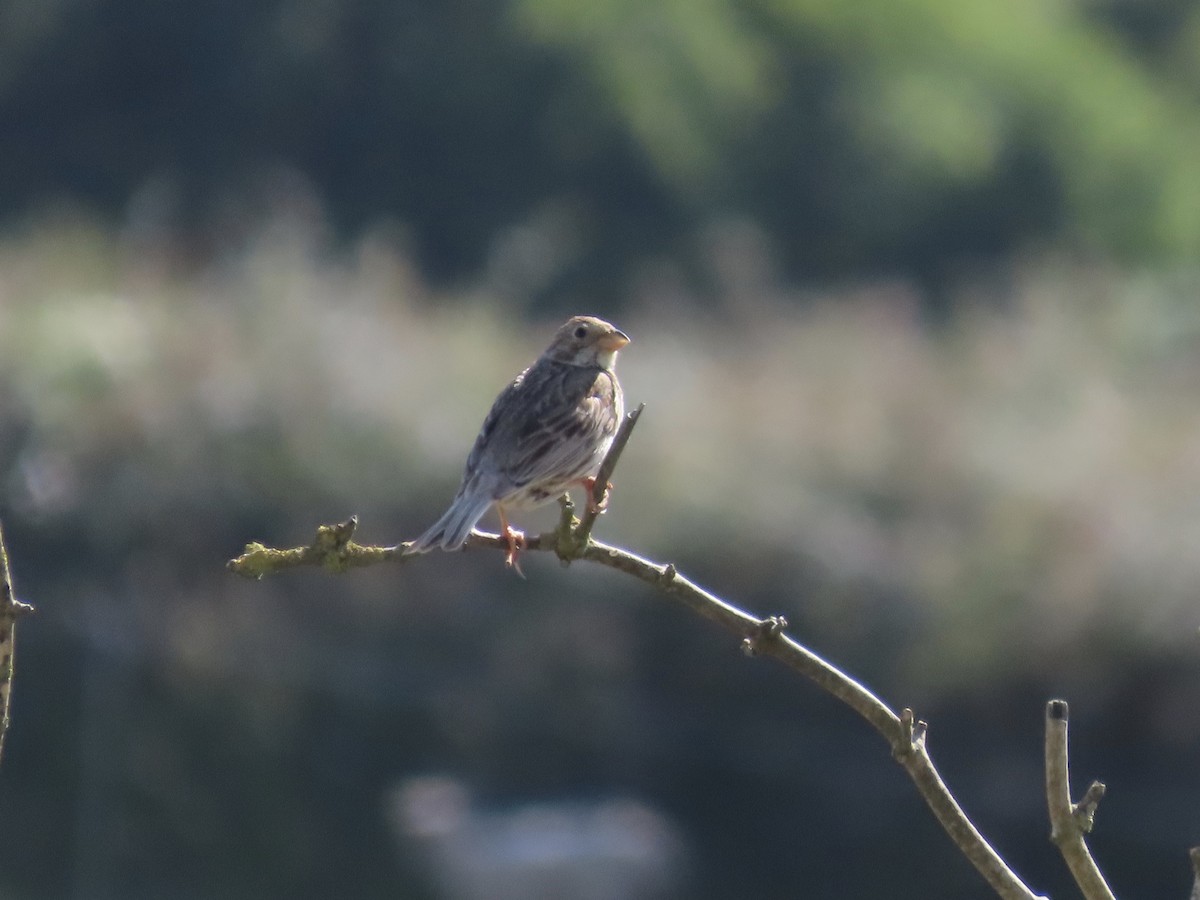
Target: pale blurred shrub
[(1012, 481)]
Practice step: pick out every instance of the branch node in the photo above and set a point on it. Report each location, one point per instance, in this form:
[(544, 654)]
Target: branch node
[(332, 542), (668, 574), (334, 538), (768, 629), (569, 543), (566, 515), (912, 734), (920, 730), (1084, 812)]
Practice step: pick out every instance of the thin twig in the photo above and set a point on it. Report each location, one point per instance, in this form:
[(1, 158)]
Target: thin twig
[(332, 549), (600, 488), (1069, 822), (906, 736), (10, 609)]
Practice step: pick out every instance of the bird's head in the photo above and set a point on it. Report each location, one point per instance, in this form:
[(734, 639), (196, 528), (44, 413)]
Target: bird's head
[(587, 341)]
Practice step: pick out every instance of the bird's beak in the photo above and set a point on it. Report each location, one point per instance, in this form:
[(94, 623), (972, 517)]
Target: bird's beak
[(611, 343)]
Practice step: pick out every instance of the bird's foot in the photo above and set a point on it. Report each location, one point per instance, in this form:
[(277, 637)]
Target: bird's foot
[(589, 487), (516, 543)]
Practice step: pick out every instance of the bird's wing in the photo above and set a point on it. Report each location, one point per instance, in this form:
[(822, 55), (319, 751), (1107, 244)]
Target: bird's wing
[(557, 438)]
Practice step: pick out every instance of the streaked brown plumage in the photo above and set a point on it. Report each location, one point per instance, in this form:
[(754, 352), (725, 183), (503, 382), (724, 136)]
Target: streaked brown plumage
[(548, 430)]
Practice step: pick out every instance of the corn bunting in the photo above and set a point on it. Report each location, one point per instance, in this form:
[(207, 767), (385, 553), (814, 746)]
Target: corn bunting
[(548, 430)]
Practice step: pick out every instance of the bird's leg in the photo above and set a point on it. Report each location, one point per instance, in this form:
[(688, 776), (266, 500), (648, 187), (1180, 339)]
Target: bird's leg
[(515, 539), (589, 487)]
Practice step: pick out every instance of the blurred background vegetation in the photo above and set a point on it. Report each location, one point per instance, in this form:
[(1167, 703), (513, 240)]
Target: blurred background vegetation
[(913, 292)]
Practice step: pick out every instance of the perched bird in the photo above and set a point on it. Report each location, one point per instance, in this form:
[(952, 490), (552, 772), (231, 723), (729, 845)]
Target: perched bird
[(547, 431)]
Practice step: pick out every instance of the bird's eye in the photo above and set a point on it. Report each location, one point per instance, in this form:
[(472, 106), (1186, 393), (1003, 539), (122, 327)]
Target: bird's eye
[(581, 331)]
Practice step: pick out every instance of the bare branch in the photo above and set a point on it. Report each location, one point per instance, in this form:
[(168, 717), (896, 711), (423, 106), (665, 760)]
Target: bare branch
[(10, 609), (1194, 854), (332, 549), (1069, 822), (600, 488), (572, 540)]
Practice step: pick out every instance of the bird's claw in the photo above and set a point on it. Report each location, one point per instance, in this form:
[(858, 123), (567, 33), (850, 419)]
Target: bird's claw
[(516, 543), (596, 507)]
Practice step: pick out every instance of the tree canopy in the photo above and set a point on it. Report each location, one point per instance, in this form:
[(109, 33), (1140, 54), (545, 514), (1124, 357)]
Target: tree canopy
[(861, 137)]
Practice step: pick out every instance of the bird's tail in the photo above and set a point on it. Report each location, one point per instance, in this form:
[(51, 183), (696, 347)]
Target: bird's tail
[(451, 530)]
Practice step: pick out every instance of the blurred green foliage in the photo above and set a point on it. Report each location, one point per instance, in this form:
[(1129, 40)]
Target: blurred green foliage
[(866, 137)]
